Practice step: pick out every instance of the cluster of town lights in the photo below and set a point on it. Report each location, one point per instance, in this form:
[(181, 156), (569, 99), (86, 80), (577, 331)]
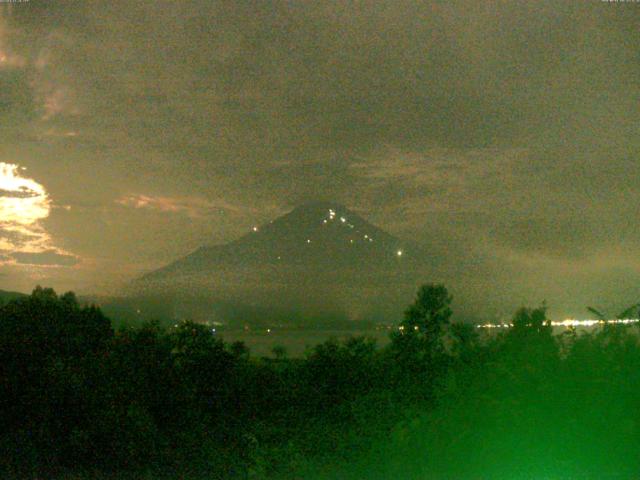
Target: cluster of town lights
[(569, 322)]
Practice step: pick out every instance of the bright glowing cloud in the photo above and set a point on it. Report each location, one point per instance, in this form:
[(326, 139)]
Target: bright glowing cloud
[(24, 203), (193, 207)]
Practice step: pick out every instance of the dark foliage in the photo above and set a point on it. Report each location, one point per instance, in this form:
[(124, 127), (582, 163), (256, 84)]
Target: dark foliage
[(440, 401)]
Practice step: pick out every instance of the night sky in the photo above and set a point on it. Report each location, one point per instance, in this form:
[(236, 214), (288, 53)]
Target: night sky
[(504, 135)]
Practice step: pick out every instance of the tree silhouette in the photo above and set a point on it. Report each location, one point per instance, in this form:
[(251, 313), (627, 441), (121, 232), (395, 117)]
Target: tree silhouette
[(417, 347), (180, 402), (531, 320), (430, 311), (631, 312), (465, 341), (279, 352)]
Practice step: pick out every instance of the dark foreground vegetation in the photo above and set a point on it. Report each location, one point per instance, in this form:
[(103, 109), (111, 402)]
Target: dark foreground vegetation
[(79, 400)]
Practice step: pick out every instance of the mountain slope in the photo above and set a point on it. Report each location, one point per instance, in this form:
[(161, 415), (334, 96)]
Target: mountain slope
[(6, 296), (320, 256), (314, 235)]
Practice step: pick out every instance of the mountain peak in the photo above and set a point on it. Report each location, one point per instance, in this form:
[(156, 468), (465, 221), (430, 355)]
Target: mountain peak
[(320, 205), (318, 211), (320, 255), (318, 234)]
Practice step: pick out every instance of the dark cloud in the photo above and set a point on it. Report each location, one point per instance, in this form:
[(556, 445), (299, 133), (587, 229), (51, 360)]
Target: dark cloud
[(44, 258), (18, 238), (506, 131), (23, 192)]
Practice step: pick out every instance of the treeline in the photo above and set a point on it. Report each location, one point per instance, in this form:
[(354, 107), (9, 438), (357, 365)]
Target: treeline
[(80, 400)]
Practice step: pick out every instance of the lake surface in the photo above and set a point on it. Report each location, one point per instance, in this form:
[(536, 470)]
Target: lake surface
[(296, 342)]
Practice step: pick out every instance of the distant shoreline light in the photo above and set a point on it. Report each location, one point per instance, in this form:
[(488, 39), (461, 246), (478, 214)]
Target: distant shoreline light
[(569, 322)]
